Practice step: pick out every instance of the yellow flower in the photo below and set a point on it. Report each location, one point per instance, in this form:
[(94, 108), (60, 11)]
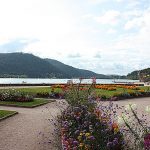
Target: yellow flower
[(81, 134), (87, 134), (81, 145), (79, 138), (116, 130)]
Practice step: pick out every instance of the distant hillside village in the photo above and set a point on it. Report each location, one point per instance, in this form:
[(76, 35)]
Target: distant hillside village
[(144, 77)]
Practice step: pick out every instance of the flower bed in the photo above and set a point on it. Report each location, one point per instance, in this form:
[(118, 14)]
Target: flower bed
[(85, 130), (86, 124), (14, 95)]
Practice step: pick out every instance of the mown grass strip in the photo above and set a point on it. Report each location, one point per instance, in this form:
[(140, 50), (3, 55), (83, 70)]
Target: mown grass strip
[(5, 114), (34, 103)]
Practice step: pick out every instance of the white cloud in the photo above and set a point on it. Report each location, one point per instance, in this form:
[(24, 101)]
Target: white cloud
[(61, 30), (111, 31), (97, 1), (137, 22), (110, 17), (87, 16)]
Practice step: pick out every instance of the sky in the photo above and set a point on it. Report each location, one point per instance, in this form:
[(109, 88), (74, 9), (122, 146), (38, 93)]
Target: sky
[(104, 36)]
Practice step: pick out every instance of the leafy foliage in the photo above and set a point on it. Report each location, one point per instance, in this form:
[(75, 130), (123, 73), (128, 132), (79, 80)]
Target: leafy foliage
[(13, 95)]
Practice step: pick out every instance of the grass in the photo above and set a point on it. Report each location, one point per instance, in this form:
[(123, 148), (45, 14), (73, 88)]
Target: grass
[(118, 90), (34, 103), (35, 90), (107, 93), (38, 90), (5, 113)]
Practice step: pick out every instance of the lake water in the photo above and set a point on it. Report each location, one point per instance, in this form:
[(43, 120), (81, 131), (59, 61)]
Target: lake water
[(58, 81)]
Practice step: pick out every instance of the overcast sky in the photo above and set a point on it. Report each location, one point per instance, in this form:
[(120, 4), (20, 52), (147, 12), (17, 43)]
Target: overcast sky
[(105, 36)]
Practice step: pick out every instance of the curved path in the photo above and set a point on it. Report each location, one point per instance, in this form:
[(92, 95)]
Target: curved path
[(141, 104), (28, 130)]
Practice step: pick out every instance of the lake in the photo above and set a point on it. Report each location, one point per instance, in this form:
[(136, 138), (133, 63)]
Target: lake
[(58, 81)]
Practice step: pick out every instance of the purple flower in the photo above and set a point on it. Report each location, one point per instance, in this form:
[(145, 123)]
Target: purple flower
[(147, 141), (109, 144), (92, 138), (115, 141), (75, 143), (77, 132)]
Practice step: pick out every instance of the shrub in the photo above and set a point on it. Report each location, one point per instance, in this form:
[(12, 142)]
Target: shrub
[(85, 128), (42, 95), (14, 95), (82, 129)]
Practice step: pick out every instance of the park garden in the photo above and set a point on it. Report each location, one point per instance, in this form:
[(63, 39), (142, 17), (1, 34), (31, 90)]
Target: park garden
[(90, 120)]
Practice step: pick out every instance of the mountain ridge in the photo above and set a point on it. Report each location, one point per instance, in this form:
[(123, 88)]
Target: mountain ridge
[(27, 65)]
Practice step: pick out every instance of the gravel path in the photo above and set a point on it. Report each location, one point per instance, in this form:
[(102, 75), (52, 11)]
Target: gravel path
[(141, 104), (28, 130)]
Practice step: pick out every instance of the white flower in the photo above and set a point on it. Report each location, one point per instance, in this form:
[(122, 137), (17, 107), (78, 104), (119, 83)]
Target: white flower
[(129, 106), (120, 120), (147, 109), (123, 118)]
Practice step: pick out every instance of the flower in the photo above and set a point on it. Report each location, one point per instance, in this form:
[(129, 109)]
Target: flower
[(109, 144), (92, 138), (129, 106), (79, 138), (81, 145), (147, 109), (75, 143), (147, 141), (120, 120), (87, 134)]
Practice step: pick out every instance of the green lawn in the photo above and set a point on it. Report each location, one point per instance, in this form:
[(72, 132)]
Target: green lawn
[(118, 90), (6, 113), (35, 90), (35, 103), (99, 91), (38, 90)]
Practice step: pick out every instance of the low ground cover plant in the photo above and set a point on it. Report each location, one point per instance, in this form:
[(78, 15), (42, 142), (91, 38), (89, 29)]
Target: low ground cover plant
[(108, 92), (14, 95)]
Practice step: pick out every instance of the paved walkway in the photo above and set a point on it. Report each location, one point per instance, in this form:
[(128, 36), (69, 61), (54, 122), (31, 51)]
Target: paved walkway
[(141, 104), (28, 130)]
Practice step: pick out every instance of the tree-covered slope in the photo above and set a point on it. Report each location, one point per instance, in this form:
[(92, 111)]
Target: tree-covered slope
[(140, 74), (26, 64), (71, 71)]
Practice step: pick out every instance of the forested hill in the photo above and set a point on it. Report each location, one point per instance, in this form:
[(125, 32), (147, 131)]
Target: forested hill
[(75, 72), (71, 71), (30, 66), (26, 65), (135, 74)]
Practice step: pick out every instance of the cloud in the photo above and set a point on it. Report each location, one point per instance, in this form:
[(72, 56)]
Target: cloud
[(97, 1), (15, 45), (98, 55), (101, 35), (110, 17), (111, 31), (134, 23), (77, 55)]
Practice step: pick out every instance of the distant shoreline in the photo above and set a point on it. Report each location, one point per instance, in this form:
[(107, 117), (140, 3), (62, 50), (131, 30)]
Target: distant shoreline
[(48, 84)]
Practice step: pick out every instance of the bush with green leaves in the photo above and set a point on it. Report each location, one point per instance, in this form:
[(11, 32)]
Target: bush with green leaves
[(14, 95)]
